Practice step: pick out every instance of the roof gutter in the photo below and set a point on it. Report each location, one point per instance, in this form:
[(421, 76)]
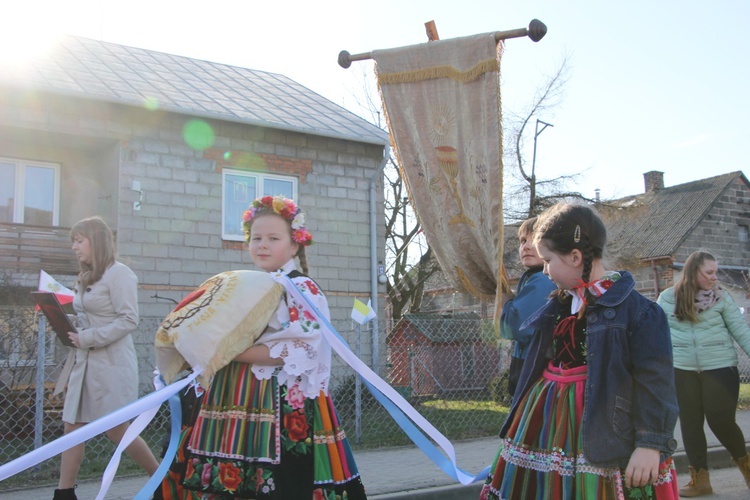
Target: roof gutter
[(374, 257), (680, 265), (649, 259)]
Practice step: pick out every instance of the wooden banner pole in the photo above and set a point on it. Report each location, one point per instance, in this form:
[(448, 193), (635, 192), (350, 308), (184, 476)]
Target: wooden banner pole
[(536, 31)]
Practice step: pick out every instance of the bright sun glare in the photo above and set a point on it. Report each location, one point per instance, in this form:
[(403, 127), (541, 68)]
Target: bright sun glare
[(26, 34)]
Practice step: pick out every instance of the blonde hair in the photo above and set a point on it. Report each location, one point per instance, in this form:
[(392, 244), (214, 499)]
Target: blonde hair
[(687, 287), (103, 252)]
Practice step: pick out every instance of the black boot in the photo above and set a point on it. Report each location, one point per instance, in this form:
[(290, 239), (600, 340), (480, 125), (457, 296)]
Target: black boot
[(66, 494)]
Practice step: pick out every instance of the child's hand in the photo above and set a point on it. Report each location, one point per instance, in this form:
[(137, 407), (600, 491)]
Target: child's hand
[(643, 467)]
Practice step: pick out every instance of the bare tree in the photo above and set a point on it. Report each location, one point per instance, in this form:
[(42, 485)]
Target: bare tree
[(408, 256), (533, 195), (409, 259)]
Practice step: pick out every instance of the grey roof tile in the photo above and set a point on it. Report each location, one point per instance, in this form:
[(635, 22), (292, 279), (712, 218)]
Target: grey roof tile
[(129, 75), (656, 223)]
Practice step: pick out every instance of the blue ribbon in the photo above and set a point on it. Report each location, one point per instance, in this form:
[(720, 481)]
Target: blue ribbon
[(175, 420), (399, 416)]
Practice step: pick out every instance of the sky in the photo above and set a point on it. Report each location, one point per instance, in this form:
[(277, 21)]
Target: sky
[(652, 85)]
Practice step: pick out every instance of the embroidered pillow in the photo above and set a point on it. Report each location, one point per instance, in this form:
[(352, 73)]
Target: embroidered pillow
[(219, 320)]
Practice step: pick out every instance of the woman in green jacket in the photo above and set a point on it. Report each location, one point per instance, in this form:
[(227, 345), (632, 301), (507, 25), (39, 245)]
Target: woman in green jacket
[(704, 321)]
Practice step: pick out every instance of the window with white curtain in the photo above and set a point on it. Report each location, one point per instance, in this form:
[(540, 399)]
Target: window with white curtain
[(240, 188), (29, 192)]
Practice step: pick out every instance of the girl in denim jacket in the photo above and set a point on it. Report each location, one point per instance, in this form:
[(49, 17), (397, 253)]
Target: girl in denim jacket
[(595, 407)]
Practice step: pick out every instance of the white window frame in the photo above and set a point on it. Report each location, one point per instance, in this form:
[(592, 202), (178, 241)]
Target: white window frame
[(19, 204), (260, 190)]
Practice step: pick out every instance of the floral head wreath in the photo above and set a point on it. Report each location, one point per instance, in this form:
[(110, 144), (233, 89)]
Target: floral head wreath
[(279, 205)]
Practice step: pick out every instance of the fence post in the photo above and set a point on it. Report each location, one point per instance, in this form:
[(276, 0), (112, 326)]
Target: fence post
[(358, 391), (39, 400)]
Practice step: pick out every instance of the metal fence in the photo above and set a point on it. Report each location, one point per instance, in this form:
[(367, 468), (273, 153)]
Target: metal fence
[(453, 372)]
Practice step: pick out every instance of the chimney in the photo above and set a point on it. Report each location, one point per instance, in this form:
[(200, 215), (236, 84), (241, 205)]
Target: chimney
[(654, 180)]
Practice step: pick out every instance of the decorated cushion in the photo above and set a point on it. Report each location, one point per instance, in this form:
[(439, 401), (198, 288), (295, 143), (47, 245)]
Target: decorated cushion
[(216, 322)]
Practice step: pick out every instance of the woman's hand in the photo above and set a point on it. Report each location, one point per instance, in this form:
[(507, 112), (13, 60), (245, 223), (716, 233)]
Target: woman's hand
[(643, 468), (75, 339)]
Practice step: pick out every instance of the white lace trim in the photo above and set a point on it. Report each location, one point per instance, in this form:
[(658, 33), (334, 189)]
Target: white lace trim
[(553, 461), (299, 342)]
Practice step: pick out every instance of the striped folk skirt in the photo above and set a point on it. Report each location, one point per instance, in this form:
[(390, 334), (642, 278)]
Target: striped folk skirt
[(542, 455), (255, 439)]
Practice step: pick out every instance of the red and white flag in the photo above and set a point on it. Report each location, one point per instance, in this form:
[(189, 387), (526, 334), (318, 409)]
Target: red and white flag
[(48, 284)]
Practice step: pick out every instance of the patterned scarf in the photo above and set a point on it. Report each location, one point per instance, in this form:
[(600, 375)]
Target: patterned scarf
[(706, 298), (596, 287)]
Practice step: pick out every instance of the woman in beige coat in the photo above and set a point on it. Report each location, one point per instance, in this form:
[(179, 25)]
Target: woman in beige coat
[(101, 372)]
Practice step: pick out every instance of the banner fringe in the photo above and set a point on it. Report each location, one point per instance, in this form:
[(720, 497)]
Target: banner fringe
[(437, 72)]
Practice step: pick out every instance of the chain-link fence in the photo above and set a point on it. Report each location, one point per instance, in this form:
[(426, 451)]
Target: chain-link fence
[(451, 369)]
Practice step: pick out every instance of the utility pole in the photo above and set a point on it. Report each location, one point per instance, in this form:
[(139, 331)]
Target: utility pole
[(532, 197)]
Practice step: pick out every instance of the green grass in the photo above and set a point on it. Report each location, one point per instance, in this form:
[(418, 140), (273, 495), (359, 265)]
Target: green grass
[(456, 419), (744, 402)]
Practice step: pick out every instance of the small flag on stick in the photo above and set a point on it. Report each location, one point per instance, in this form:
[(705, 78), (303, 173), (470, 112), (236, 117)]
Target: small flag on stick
[(361, 312), (48, 284)]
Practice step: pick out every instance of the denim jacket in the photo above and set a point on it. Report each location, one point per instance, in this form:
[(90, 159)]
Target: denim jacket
[(534, 289), (629, 400)]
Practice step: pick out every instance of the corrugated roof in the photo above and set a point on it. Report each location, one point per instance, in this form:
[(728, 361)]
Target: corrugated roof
[(127, 75), (655, 224), (458, 327)]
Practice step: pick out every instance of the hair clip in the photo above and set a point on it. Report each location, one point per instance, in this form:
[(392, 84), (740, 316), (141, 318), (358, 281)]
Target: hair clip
[(577, 234)]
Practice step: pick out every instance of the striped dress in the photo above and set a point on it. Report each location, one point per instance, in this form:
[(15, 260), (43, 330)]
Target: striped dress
[(271, 432), (541, 456)]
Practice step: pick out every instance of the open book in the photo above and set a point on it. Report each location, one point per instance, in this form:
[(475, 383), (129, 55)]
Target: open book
[(56, 315)]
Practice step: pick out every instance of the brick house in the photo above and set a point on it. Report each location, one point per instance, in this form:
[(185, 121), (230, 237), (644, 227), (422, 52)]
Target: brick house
[(651, 234), (170, 151)]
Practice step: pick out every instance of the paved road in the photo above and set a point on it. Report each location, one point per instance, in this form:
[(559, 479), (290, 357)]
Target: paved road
[(405, 473), (728, 483)]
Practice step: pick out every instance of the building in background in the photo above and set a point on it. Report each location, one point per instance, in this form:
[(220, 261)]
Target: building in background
[(170, 151)]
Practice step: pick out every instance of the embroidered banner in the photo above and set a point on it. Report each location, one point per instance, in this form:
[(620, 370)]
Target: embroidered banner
[(442, 102)]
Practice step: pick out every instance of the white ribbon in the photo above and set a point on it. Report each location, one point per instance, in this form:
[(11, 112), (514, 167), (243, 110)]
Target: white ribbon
[(140, 406), (145, 409), (373, 378), (133, 431)]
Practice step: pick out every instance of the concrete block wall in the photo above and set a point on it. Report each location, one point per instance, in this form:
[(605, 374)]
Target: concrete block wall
[(719, 232), (173, 243), (174, 240)]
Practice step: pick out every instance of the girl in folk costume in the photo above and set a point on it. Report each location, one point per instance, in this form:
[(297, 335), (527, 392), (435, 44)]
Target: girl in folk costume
[(266, 427), (595, 406)]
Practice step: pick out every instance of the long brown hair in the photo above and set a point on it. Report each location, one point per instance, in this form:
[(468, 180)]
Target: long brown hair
[(687, 286), (103, 251)]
